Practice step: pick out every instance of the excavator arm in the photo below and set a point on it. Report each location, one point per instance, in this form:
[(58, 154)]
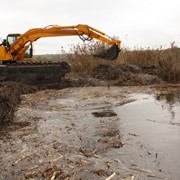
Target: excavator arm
[(85, 32)]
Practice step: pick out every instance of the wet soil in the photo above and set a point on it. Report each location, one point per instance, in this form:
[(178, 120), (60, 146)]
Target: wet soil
[(61, 139), (94, 133), (60, 131)]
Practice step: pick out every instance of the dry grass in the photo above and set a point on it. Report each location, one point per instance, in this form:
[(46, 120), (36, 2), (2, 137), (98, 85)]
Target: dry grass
[(81, 60), (139, 56), (81, 57), (167, 61)]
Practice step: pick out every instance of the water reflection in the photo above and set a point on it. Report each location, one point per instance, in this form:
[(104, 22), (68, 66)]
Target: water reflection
[(156, 121), (170, 98), (171, 102)]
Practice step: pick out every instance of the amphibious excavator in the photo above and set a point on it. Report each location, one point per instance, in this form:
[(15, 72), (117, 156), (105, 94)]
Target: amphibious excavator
[(16, 52)]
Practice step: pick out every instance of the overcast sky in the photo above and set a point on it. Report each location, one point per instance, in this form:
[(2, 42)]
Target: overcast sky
[(138, 23)]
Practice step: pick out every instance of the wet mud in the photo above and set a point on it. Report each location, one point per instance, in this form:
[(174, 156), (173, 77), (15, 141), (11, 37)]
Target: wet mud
[(94, 133), (95, 126)]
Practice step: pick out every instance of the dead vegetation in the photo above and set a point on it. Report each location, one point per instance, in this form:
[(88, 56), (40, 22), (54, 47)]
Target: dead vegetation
[(166, 61), (127, 75), (10, 96)]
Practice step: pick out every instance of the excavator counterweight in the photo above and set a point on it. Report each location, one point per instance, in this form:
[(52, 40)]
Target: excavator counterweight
[(18, 49)]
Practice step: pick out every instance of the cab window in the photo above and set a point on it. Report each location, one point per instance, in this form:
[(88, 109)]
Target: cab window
[(28, 53), (11, 38)]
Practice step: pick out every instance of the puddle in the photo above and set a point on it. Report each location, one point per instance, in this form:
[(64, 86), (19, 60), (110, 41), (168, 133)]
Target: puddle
[(151, 124)]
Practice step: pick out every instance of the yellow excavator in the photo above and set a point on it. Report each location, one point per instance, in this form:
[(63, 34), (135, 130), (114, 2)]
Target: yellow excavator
[(17, 49)]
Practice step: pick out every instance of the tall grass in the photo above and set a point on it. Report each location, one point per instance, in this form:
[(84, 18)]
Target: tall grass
[(139, 56), (167, 61), (81, 57)]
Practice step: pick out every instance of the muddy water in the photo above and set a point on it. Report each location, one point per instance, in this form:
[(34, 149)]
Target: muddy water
[(151, 131), (93, 133)]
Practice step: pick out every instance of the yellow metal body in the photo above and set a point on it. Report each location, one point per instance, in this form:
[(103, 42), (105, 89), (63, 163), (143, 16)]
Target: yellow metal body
[(16, 51), (4, 54)]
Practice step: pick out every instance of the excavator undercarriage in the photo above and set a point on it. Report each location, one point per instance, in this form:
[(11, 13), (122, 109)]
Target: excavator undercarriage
[(34, 73)]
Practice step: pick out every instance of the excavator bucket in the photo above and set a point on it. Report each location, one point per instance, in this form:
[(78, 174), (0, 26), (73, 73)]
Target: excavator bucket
[(109, 54)]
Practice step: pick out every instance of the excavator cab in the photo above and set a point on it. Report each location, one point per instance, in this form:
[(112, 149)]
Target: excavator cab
[(11, 38)]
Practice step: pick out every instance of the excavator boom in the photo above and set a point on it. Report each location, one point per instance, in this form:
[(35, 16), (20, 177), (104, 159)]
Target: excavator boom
[(78, 30)]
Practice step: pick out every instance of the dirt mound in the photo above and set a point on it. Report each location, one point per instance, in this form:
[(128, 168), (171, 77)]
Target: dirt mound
[(10, 97), (125, 74)]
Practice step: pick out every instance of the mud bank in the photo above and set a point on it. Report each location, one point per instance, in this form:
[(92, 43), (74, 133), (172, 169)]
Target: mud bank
[(127, 75), (10, 97), (88, 133)]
